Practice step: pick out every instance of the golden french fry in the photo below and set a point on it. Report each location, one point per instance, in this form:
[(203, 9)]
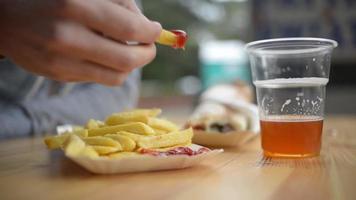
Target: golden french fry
[(103, 150), (147, 112), (89, 151), (73, 146), (122, 118), (159, 132), (123, 154), (134, 137), (80, 132), (127, 143), (167, 38), (102, 141), (139, 115), (167, 140), (134, 127), (162, 124), (55, 142), (92, 124)]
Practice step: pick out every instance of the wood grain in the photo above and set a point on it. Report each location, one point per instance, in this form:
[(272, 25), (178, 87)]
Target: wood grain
[(29, 171)]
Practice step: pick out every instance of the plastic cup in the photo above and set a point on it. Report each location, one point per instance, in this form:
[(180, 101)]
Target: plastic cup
[(290, 75)]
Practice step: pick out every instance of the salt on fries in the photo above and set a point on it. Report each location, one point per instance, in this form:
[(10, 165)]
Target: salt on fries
[(122, 134)]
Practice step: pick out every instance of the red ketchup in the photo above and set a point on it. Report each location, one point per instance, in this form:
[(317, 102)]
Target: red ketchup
[(176, 151), (182, 38)]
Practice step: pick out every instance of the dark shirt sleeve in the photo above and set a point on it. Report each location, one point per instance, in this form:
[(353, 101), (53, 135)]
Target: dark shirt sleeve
[(84, 101)]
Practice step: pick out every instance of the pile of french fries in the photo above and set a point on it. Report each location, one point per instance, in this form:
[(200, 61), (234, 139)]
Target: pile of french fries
[(122, 134)]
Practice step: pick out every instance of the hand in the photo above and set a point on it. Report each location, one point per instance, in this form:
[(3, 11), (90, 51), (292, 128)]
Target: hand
[(77, 40)]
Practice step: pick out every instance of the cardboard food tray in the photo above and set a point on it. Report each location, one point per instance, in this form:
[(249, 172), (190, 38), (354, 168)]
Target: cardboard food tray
[(142, 163)]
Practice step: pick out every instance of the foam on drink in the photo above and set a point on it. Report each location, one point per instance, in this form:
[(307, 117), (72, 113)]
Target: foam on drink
[(291, 82)]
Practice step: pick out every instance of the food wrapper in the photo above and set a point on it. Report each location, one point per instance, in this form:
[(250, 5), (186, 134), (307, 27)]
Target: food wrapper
[(139, 163), (214, 102)]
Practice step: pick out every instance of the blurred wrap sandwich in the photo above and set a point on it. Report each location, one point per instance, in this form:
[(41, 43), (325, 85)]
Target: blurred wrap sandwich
[(226, 108)]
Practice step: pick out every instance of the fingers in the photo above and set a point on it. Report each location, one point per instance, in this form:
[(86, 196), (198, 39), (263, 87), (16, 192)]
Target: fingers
[(114, 20), (67, 69), (62, 68), (129, 4), (75, 40)]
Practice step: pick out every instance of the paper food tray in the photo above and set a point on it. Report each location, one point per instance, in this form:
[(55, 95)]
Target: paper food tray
[(140, 163), (222, 139)]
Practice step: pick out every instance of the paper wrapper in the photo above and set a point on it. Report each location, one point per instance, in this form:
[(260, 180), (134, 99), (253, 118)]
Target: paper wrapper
[(140, 163), (222, 140), (213, 102)]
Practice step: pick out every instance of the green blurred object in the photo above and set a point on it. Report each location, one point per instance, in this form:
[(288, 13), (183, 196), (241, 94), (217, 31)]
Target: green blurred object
[(223, 62)]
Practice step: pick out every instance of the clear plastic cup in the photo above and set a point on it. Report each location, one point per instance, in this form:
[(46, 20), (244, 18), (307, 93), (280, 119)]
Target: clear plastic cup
[(290, 75)]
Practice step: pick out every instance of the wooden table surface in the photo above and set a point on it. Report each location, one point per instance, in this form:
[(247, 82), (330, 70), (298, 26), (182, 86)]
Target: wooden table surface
[(29, 171)]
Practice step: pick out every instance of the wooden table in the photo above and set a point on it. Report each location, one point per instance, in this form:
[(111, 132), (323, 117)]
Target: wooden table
[(29, 171)]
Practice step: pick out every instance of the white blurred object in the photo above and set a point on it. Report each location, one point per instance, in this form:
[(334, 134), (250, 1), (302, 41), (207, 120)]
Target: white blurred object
[(189, 85), (230, 51), (208, 108), (219, 100), (228, 91)]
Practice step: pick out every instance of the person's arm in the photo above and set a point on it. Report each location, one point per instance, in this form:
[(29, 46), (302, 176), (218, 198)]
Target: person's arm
[(83, 102)]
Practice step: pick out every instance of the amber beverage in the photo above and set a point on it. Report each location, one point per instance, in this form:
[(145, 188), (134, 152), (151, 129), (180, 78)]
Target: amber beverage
[(291, 137)]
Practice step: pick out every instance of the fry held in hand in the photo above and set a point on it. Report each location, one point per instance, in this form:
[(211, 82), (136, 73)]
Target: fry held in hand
[(173, 38)]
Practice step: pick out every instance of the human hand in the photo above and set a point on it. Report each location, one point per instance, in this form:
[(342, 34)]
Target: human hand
[(77, 40)]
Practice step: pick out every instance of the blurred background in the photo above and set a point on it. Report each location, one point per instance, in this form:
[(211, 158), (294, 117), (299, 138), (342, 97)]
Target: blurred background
[(218, 30)]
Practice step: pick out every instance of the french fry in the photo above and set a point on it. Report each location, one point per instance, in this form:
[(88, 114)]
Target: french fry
[(173, 38), (89, 152), (123, 154), (103, 150), (134, 127), (154, 112), (167, 140), (73, 146), (167, 38), (80, 132), (139, 115), (159, 132), (117, 119), (162, 124), (102, 141), (55, 142), (127, 143), (134, 137)]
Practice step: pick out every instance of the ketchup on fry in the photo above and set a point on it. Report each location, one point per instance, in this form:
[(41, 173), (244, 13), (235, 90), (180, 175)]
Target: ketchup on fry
[(182, 38)]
